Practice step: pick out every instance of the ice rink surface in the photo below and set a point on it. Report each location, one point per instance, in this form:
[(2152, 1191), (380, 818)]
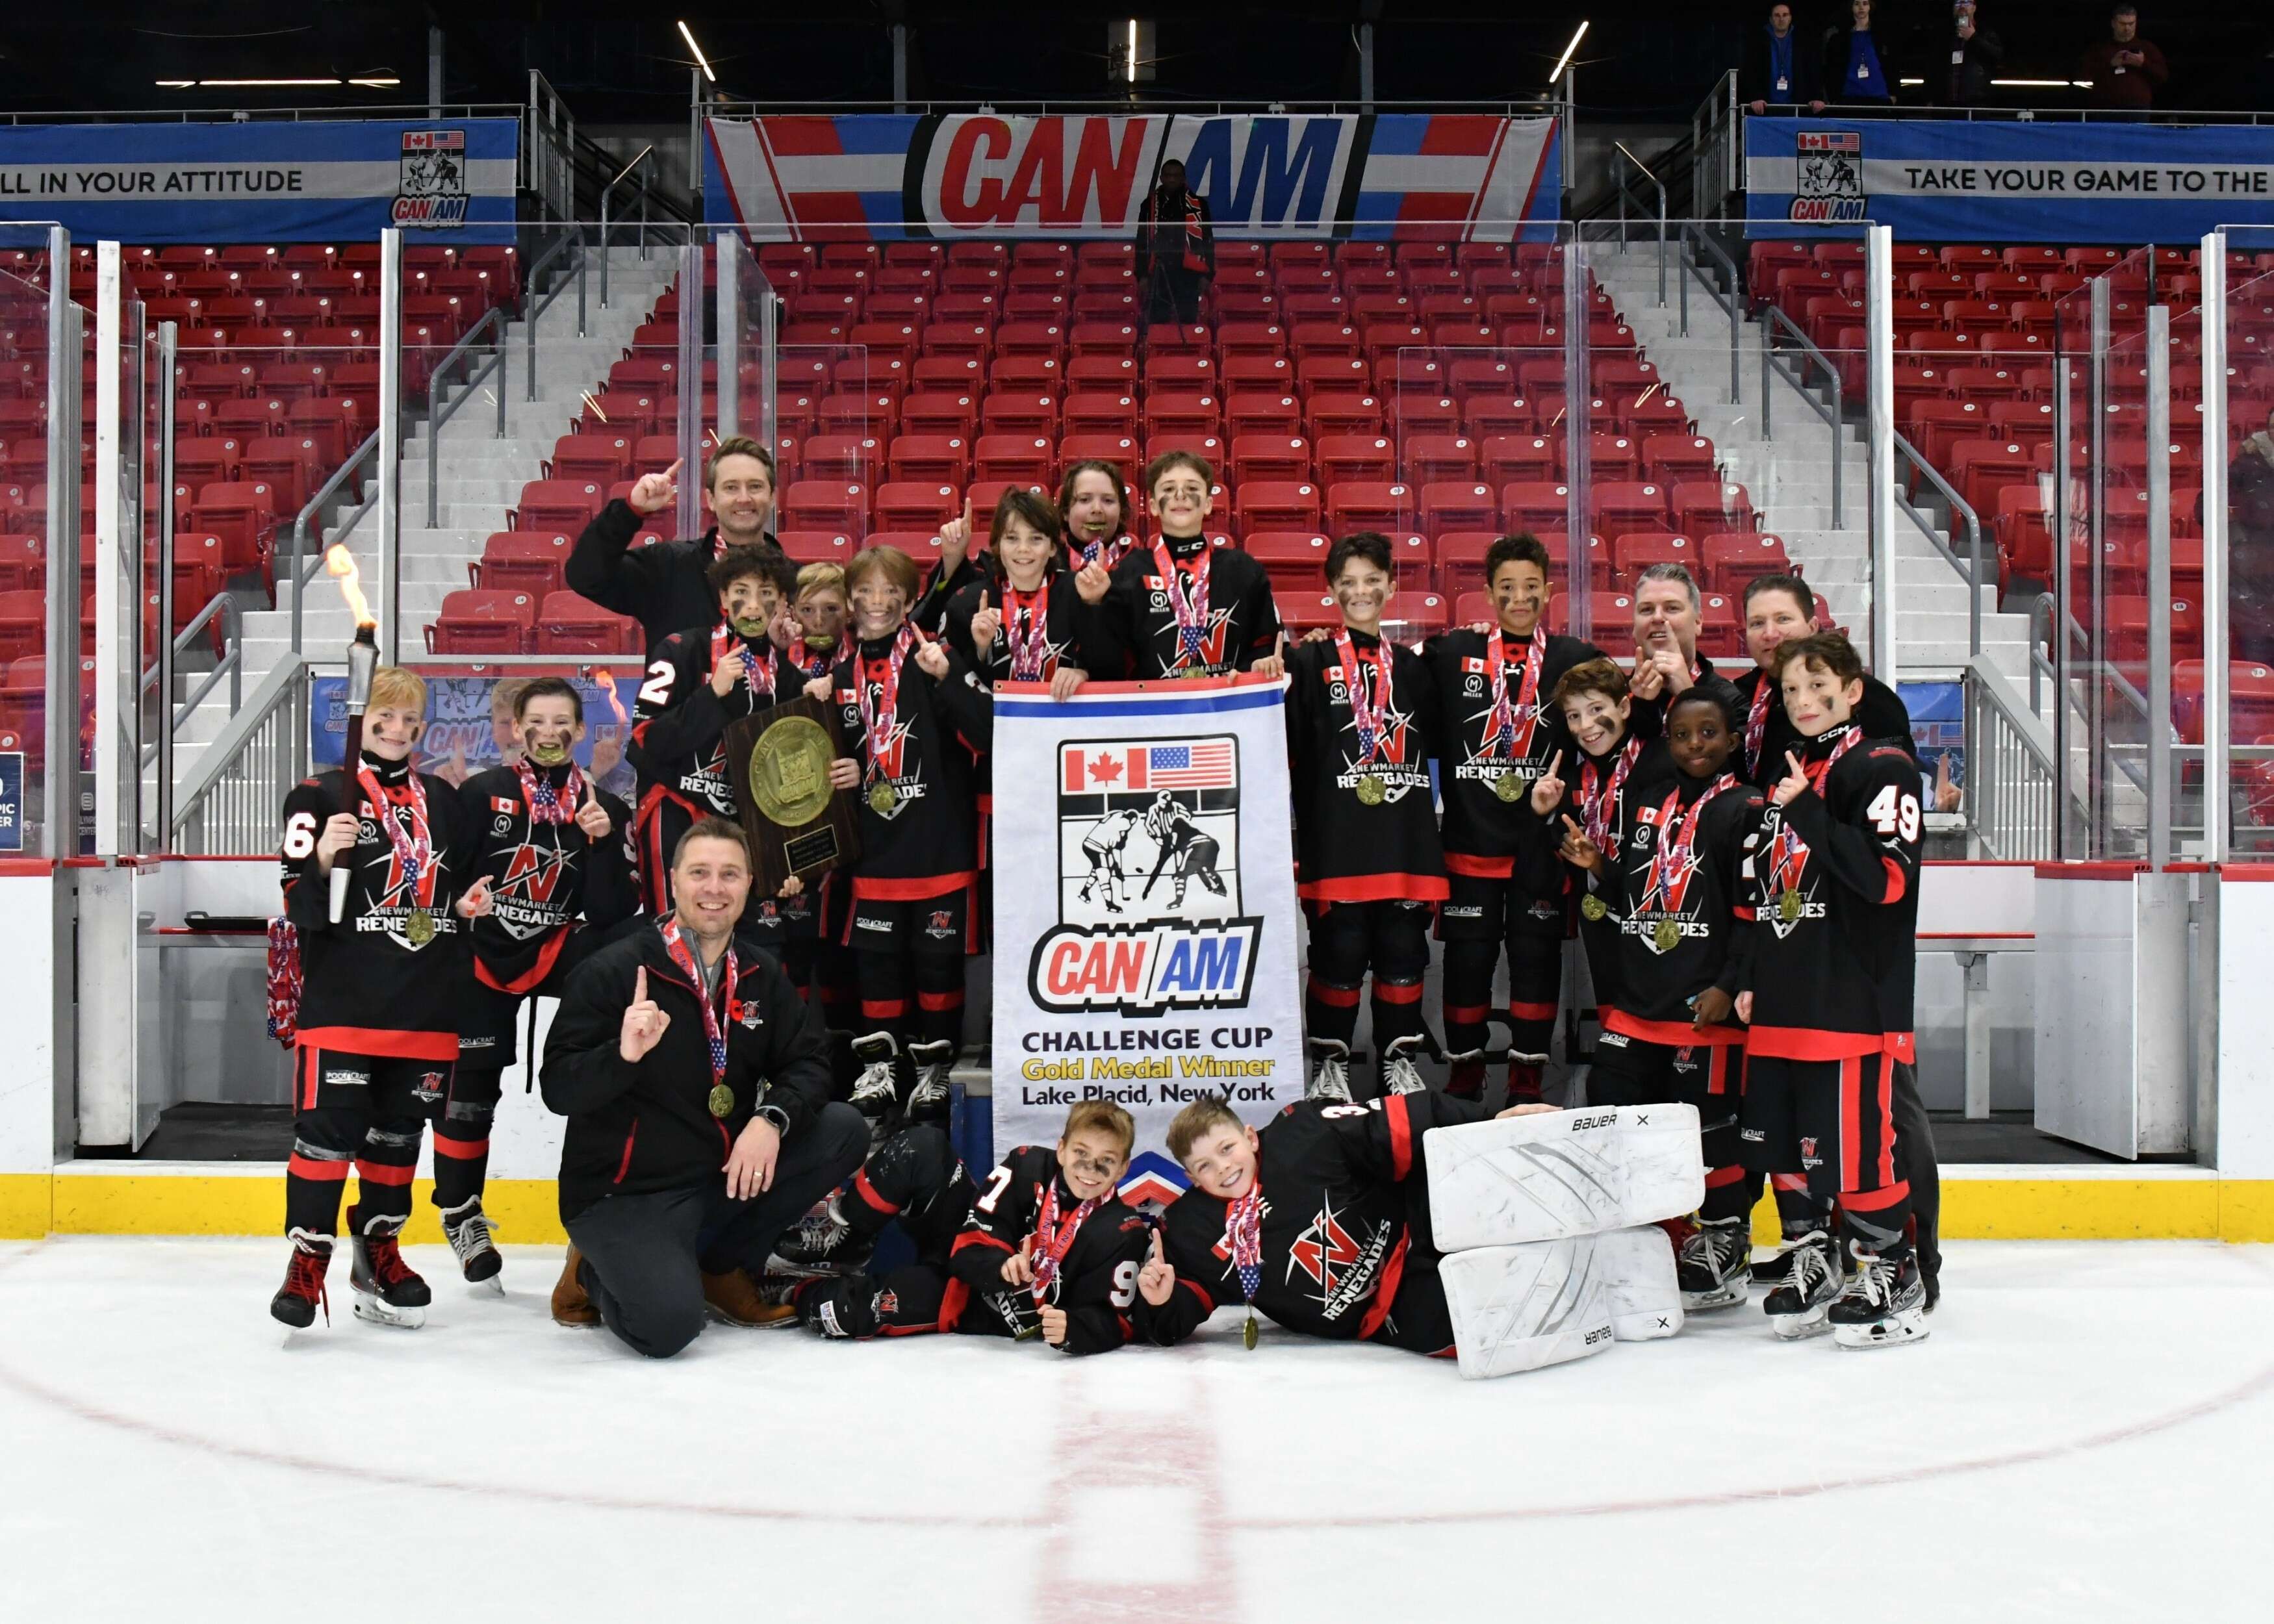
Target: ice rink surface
[(2088, 1434)]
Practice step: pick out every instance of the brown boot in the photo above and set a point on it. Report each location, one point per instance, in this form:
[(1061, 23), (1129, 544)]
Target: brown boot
[(572, 1305), (738, 1300)]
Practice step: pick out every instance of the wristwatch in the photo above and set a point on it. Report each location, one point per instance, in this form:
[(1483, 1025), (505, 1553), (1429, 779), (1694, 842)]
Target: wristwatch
[(775, 1115)]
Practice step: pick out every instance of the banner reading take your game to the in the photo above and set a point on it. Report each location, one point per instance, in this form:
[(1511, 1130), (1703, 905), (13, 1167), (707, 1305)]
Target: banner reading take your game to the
[(1480, 177), (448, 181), (1939, 179), (1145, 916)]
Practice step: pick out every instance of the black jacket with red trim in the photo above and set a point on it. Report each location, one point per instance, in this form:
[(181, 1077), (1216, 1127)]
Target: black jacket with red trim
[(679, 739), (927, 841), (367, 987), (1346, 851), (1540, 870), (1882, 715), (1097, 1283), (1480, 831), (1834, 884), (545, 878), (664, 586), (1706, 900), (1335, 1220), (1243, 619), (635, 1127)]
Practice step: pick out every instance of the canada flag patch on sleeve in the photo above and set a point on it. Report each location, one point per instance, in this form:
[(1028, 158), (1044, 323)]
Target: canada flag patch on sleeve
[(504, 803)]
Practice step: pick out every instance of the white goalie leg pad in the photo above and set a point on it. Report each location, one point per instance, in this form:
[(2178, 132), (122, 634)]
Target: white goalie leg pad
[(1556, 1174), (1640, 1283), (1517, 1308)]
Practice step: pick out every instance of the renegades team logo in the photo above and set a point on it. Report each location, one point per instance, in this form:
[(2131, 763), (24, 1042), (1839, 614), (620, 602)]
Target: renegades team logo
[(1148, 880), (525, 903), (1788, 864)]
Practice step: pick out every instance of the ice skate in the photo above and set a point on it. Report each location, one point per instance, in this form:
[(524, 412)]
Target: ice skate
[(1464, 1076), (822, 1243), (303, 1292), (1798, 1308), (387, 1291), (934, 1062), (876, 1091), (1712, 1265), (1399, 1074), (468, 1229), (1330, 1072), (1883, 1304)]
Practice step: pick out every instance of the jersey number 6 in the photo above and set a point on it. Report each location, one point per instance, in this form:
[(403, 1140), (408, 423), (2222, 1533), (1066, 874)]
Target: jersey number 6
[(299, 836)]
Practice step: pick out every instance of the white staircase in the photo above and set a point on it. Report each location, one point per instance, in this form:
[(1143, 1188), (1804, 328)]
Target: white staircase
[(1789, 477), (480, 475)]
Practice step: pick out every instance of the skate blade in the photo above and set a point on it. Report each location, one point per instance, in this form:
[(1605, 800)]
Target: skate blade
[(1895, 1331), (374, 1312), (1800, 1327), (492, 1285), (1729, 1295)]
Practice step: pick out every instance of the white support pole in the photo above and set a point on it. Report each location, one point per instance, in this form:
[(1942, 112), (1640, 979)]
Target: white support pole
[(2218, 637), (732, 251), (387, 589), (1880, 393), (108, 547)]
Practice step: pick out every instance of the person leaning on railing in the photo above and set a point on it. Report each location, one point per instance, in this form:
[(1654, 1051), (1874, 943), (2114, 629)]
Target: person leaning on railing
[(1779, 69)]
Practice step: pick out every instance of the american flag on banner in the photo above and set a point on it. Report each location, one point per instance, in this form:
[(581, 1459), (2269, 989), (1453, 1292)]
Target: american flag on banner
[(1093, 768)]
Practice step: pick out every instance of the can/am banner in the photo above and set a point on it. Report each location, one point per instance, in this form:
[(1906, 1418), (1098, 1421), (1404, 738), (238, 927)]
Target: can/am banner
[(470, 727), (1477, 178), (1945, 180), (1145, 917), (450, 181)]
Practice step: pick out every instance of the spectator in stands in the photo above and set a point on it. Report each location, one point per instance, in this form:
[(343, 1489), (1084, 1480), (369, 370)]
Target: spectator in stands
[(1779, 70), (1176, 248), (666, 587), (2126, 71), (1970, 56), (1858, 62), (2250, 543)]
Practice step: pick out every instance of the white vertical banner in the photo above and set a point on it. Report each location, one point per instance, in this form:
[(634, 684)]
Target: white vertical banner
[(1146, 927)]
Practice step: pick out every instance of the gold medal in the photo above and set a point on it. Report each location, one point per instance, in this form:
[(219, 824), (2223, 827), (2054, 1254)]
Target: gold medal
[(1508, 786), (883, 797), (1248, 1333), (1789, 906), (722, 1099), (420, 928), (1594, 907), (1668, 936), (1371, 790)]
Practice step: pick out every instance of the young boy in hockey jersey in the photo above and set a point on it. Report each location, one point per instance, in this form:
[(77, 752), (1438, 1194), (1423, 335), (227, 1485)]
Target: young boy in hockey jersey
[(552, 847), (1320, 1221), (1676, 893), (1182, 607), (1362, 722), (920, 719), (1835, 895), (1047, 1250), (382, 984), (1499, 732)]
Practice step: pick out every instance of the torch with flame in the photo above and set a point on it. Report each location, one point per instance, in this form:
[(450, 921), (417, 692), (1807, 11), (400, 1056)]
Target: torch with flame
[(363, 662)]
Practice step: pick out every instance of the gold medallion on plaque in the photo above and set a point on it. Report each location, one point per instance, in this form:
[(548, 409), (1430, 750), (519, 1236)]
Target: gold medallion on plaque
[(788, 773)]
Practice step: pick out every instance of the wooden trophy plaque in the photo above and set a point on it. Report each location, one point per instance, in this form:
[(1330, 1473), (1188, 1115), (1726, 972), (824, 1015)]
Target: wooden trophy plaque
[(779, 763)]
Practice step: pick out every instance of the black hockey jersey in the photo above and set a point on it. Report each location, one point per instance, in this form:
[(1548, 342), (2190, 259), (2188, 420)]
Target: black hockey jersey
[(1365, 829), (1834, 882), (1678, 897), (1480, 831), (1070, 632), (386, 979), (1604, 797), (1765, 732), (1237, 625), (1097, 1278), (919, 795), (1335, 1206), (546, 877), (679, 740)]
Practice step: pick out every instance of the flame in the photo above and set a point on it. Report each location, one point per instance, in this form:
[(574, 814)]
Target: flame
[(616, 700), (340, 564)]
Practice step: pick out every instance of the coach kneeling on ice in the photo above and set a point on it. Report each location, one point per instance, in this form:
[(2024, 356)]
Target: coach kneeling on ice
[(1342, 1221), (695, 1083)]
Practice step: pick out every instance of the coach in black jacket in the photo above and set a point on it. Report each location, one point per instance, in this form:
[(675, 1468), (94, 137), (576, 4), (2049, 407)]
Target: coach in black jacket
[(677, 1179), (663, 585)]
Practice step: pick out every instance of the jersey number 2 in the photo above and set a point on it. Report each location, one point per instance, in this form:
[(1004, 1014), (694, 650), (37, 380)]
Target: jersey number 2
[(1894, 813), (657, 689)]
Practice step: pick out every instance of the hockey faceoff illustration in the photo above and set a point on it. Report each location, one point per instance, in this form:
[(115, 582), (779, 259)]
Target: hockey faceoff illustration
[(1148, 829)]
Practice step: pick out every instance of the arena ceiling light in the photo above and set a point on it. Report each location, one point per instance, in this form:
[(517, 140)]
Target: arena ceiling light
[(1564, 61), (375, 81), (2034, 84), (701, 60)]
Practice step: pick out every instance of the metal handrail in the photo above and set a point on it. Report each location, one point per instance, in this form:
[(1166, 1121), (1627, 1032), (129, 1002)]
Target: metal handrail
[(1959, 508), (575, 234), (231, 665), (1715, 122), (1660, 187), (437, 414), (220, 604), (302, 573), (2012, 787), (217, 775), (607, 192), (2004, 115), (1732, 305), (1834, 418)]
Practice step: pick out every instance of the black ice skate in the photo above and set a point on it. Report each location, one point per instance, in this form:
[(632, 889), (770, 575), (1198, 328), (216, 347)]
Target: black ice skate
[(1883, 1304), (387, 1290), (302, 1291), (1712, 1266), (934, 1062), (876, 1091), (1798, 1308), (1399, 1074), (1330, 1072), (468, 1229), (822, 1243)]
